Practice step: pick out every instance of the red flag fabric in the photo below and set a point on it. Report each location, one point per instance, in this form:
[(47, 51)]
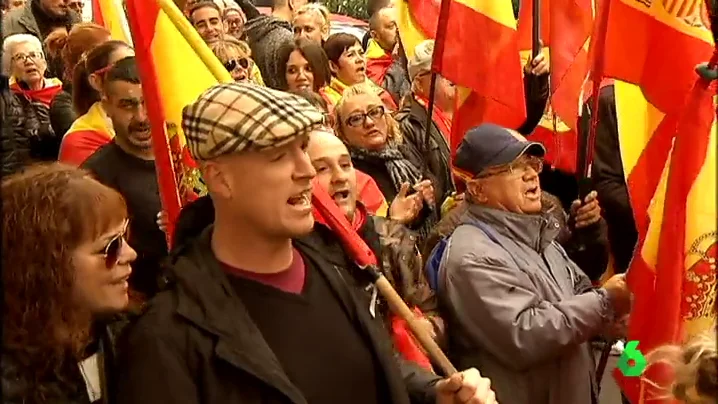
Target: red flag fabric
[(666, 126), (488, 71)]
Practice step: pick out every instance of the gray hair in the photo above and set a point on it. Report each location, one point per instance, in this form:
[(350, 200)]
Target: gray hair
[(423, 54), (9, 45)]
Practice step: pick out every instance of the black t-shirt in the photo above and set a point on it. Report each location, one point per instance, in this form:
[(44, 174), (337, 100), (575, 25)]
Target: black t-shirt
[(320, 348), (136, 180)]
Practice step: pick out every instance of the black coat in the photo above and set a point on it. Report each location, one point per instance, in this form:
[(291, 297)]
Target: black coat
[(609, 181), (30, 138), (437, 157), (62, 112), (196, 343), (16, 389)]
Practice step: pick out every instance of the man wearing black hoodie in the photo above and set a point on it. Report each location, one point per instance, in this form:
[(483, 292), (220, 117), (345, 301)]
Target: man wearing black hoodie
[(267, 34)]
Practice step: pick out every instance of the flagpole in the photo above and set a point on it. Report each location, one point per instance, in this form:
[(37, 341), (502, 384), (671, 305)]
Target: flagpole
[(195, 41), (536, 30)]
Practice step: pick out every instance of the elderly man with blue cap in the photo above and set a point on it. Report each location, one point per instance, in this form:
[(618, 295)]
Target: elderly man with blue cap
[(519, 309)]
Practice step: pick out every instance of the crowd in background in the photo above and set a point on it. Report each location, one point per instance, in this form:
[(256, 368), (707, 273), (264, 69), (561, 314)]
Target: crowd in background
[(258, 300)]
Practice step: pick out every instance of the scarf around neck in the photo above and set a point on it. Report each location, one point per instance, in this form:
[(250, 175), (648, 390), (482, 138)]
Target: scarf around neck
[(51, 87), (399, 168)]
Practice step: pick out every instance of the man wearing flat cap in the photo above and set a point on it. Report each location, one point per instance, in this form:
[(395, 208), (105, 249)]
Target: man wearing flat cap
[(518, 308), (260, 308)]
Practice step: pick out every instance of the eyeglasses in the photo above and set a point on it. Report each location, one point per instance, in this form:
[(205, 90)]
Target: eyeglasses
[(21, 57), (519, 165), (357, 120), (114, 246), (233, 63)]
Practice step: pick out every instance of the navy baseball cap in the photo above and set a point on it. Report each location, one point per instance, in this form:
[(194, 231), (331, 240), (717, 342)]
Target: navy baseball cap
[(489, 145)]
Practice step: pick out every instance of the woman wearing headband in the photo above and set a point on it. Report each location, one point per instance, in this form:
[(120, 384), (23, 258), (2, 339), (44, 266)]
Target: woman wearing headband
[(93, 128)]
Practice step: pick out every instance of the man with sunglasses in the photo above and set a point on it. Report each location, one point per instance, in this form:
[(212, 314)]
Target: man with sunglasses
[(520, 310), (261, 307)]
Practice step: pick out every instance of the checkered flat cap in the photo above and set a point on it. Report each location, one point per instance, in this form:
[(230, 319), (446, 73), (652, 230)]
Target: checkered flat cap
[(233, 117)]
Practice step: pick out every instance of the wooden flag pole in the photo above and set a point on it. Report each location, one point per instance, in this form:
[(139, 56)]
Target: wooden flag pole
[(363, 256)]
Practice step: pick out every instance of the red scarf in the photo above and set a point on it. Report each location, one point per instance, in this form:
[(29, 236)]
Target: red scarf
[(44, 95), (440, 118)]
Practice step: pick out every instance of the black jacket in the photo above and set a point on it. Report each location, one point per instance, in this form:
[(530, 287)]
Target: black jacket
[(62, 112), (609, 181), (17, 390), (412, 122), (196, 343), (536, 91), (31, 138)]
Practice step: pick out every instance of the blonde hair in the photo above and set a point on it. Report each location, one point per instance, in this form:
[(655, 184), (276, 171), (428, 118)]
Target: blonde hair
[(394, 133), (695, 365), (319, 10), (9, 45), (222, 48)]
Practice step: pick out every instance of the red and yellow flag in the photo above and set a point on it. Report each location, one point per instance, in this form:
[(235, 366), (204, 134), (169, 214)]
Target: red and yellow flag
[(176, 66), (667, 135), (566, 27), (486, 69), (111, 15)]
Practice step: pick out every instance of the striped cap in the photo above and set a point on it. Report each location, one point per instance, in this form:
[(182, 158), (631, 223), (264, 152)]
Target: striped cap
[(233, 117)]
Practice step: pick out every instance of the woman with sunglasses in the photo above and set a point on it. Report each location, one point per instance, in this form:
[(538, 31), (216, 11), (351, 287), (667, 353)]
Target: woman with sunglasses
[(65, 271), (236, 57), (376, 147)]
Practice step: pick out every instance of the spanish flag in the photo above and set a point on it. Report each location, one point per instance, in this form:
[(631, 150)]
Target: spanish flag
[(175, 67), (667, 135), (566, 27), (479, 53), (111, 15), (487, 68)]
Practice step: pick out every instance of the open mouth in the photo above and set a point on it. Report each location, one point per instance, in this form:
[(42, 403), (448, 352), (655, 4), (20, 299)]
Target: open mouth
[(533, 192), (302, 200), (341, 196), (32, 70), (241, 77)]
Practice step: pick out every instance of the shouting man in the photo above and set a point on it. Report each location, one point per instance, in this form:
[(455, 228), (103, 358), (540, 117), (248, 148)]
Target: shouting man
[(257, 313)]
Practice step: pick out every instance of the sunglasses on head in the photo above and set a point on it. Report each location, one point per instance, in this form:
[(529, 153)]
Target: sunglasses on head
[(233, 63), (114, 246)]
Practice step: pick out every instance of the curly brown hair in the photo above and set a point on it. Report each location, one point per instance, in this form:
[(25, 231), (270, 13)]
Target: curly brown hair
[(48, 211), (70, 46)]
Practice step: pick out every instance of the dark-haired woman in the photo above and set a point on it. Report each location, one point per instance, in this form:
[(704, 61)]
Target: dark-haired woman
[(93, 129), (305, 66), (348, 66), (65, 271)]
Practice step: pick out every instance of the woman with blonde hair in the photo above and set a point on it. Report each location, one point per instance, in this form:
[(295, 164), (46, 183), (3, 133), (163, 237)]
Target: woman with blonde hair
[(236, 56), (376, 147), (695, 368), (312, 21)]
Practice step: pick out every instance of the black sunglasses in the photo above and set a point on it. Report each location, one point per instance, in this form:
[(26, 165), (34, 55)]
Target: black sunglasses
[(232, 64), (114, 246)]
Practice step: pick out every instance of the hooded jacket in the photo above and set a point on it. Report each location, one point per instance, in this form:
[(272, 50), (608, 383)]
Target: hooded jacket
[(265, 36)]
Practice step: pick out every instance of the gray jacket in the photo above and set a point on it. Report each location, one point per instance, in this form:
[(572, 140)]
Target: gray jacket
[(519, 309), (22, 21)]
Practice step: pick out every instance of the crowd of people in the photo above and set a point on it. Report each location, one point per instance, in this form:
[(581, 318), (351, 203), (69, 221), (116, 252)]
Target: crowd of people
[(258, 300)]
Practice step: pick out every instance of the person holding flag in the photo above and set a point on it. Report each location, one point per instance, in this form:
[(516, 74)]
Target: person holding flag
[(244, 319)]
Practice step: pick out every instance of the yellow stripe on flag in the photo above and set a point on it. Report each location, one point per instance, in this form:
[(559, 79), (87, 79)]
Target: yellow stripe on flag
[(500, 11), (409, 32)]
